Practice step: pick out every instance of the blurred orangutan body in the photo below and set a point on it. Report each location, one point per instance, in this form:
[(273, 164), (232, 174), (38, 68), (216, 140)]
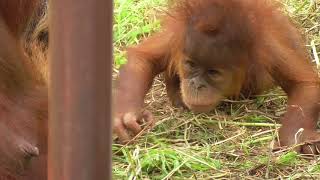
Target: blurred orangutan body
[(23, 99)]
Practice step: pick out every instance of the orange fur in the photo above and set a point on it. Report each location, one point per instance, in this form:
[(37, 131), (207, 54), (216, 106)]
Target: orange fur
[(211, 49)]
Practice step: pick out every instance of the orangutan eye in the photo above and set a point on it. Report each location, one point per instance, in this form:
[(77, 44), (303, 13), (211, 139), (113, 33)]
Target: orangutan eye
[(213, 72)]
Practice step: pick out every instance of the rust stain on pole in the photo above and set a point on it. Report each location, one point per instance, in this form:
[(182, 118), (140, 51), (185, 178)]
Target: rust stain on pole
[(80, 90)]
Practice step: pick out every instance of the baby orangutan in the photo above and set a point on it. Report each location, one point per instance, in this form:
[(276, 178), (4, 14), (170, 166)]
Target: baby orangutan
[(213, 49)]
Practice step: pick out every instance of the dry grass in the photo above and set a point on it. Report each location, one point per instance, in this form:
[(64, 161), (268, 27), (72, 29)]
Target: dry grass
[(235, 141)]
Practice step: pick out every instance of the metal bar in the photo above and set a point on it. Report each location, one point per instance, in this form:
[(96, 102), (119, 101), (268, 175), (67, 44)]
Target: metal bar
[(80, 89)]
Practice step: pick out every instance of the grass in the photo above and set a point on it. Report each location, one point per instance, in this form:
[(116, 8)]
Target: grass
[(233, 141), (133, 21)]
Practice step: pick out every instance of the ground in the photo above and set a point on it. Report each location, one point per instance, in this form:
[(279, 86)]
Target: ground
[(235, 141)]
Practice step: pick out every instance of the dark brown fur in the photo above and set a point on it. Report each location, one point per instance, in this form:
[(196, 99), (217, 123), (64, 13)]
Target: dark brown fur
[(212, 49)]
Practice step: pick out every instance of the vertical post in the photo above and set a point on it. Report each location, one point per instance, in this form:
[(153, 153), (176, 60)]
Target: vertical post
[(80, 89)]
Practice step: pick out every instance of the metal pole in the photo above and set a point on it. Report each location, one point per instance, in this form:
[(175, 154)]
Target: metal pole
[(80, 90)]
